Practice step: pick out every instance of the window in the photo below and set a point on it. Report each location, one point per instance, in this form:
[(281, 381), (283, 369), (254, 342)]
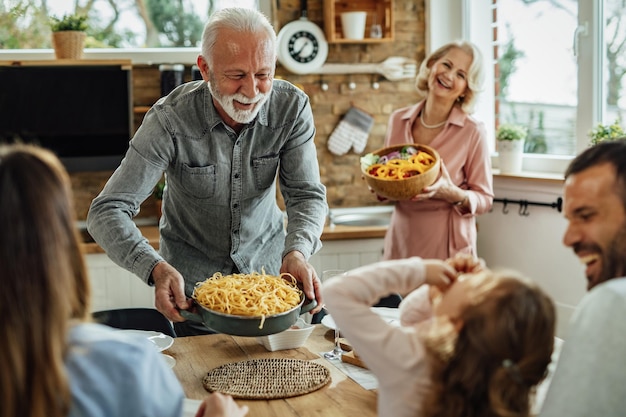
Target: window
[(112, 24), (138, 55), (561, 66)]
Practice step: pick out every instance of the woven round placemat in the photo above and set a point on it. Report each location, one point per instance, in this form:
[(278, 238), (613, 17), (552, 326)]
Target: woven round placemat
[(270, 378)]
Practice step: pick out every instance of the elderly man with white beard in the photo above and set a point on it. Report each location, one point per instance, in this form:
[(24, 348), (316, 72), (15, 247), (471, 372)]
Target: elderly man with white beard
[(590, 377), (221, 143)]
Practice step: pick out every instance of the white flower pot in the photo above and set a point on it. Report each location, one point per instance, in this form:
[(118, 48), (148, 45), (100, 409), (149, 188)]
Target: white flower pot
[(510, 154)]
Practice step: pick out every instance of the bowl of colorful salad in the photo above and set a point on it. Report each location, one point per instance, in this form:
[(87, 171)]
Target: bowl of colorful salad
[(401, 172)]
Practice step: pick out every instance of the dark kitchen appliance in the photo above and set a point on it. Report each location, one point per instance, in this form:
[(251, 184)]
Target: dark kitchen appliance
[(82, 111)]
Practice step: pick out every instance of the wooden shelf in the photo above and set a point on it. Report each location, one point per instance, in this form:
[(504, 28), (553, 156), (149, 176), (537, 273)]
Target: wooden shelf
[(380, 11)]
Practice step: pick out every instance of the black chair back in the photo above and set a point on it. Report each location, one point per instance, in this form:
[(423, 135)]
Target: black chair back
[(135, 319)]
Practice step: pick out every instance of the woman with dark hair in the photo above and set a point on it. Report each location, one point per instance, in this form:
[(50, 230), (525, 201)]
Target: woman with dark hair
[(57, 363)]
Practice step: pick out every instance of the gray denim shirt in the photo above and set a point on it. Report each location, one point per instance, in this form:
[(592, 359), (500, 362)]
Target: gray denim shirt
[(219, 205)]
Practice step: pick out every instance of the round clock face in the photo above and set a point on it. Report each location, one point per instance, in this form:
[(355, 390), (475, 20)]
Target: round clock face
[(302, 47)]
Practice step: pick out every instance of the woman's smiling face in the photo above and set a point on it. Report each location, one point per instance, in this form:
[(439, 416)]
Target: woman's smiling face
[(448, 75)]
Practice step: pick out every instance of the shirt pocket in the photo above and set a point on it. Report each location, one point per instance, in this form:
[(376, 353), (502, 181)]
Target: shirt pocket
[(199, 181), (264, 169)]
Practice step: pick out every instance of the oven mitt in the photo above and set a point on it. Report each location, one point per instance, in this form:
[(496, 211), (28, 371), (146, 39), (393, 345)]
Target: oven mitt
[(351, 132)]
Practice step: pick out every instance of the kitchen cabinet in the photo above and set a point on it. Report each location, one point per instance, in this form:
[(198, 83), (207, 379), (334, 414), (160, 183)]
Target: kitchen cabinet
[(114, 287), (379, 12), (347, 254)]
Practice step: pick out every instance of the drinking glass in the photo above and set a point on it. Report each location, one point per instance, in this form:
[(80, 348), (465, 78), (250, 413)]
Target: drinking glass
[(337, 351), (376, 30)]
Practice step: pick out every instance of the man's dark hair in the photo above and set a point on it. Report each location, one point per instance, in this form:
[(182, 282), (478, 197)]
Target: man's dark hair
[(612, 152)]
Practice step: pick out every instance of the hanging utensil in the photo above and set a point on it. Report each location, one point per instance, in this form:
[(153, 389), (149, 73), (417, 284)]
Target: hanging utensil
[(393, 68)]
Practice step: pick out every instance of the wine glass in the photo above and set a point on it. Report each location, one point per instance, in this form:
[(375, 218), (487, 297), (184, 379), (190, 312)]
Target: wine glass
[(376, 30), (337, 351)]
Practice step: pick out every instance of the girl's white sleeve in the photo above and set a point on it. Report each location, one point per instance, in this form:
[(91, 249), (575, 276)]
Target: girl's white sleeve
[(386, 349)]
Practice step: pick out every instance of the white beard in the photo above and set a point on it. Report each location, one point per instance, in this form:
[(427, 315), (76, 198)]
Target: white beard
[(239, 116)]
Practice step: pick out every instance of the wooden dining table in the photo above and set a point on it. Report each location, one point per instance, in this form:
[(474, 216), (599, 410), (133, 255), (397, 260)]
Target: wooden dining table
[(196, 355)]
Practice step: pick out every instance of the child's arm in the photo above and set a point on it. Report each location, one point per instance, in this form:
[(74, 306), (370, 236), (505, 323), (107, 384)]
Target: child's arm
[(416, 307), (383, 347)]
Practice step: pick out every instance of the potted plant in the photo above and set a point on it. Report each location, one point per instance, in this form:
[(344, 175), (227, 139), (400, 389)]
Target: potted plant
[(68, 36), (602, 133), (510, 139)]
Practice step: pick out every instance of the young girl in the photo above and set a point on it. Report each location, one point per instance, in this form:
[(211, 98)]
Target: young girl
[(484, 345)]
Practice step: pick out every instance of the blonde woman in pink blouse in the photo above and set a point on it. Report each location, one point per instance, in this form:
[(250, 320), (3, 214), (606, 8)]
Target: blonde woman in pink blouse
[(440, 222)]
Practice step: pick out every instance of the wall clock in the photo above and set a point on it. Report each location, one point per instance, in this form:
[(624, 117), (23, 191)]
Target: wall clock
[(302, 46)]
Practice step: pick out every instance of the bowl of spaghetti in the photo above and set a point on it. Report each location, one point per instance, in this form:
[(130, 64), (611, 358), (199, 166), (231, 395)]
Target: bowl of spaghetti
[(401, 172), (253, 304)]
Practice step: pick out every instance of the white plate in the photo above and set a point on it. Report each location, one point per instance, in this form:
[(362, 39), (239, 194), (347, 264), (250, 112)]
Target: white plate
[(161, 341), (328, 322), (390, 315), (170, 360)]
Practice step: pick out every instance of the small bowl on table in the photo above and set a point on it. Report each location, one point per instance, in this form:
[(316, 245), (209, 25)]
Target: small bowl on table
[(292, 338), (404, 188)]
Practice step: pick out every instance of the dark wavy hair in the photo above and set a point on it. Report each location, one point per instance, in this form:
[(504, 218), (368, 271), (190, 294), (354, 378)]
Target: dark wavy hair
[(500, 354), (610, 152)]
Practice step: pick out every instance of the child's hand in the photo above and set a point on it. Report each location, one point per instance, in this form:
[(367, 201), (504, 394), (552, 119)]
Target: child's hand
[(439, 273), (465, 263)]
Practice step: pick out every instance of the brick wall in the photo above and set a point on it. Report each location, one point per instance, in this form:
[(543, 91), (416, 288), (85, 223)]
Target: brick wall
[(340, 174)]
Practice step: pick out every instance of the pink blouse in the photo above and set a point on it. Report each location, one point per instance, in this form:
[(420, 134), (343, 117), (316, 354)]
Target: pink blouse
[(435, 228), (395, 354)]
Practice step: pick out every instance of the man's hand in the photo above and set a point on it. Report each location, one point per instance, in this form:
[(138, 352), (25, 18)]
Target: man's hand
[(295, 264), (169, 291)]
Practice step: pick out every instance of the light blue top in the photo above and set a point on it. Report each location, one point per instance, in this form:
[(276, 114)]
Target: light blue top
[(590, 376), (219, 205), (112, 374)]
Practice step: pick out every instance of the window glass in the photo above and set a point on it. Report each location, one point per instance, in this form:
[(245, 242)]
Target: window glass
[(537, 84), (24, 24), (615, 61)]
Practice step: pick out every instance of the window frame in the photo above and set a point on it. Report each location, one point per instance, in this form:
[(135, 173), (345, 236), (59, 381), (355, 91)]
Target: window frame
[(455, 19)]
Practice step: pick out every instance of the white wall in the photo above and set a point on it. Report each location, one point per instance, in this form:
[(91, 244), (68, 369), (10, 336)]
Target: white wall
[(533, 244)]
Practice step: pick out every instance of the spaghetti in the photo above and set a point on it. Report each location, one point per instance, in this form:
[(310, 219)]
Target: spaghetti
[(252, 295)]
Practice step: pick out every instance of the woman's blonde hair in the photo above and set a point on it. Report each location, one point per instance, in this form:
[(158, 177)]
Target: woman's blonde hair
[(45, 283), (500, 354), (475, 76)]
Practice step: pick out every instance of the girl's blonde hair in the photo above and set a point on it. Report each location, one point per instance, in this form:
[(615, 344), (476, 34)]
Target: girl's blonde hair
[(45, 283), (500, 354), (475, 76)]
